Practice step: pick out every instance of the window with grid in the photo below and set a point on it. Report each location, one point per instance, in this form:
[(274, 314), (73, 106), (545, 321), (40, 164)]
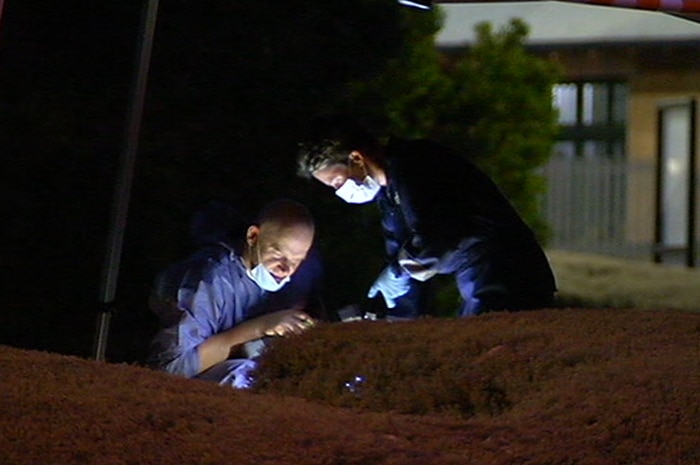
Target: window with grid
[(592, 116)]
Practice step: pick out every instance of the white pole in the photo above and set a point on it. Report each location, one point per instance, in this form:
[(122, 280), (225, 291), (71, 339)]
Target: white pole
[(122, 191)]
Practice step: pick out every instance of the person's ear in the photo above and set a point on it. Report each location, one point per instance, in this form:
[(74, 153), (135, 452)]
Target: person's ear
[(357, 158), (252, 235)]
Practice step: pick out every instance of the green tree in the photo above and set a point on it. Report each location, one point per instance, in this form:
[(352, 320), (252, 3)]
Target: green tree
[(406, 100), (503, 98), (491, 102)]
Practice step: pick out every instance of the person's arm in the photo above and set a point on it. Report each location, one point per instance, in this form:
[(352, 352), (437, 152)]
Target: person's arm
[(220, 347), (192, 338), (192, 299), (189, 310)]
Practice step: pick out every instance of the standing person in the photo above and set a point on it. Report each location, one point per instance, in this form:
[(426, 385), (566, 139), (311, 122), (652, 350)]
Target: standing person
[(226, 297), (440, 214)]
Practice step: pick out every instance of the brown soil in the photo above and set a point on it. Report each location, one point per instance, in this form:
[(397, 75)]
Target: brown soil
[(545, 387)]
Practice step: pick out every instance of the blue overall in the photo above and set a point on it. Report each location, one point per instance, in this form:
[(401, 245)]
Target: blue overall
[(207, 294), (442, 211)]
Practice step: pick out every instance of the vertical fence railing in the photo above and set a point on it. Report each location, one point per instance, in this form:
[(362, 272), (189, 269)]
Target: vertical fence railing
[(600, 206)]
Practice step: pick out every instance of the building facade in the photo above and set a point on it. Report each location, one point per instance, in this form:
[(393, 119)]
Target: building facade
[(622, 69)]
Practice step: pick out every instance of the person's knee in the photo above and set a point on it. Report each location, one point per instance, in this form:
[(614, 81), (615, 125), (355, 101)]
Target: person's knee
[(485, 299)]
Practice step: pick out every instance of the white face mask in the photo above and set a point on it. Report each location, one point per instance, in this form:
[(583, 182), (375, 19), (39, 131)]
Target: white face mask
[(264, 278), (353, 192)]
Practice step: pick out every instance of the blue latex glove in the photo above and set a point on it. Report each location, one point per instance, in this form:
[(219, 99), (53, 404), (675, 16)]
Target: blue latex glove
[(391, 286)]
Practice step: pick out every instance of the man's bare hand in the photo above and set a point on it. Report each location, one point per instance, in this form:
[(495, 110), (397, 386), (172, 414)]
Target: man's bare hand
[(286, 322)]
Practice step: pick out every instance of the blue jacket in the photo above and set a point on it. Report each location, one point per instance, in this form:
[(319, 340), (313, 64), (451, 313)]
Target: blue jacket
[(436, 202), (209, 293)]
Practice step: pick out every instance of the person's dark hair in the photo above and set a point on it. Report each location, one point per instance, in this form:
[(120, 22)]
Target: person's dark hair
[(286, 212), (330, 140)]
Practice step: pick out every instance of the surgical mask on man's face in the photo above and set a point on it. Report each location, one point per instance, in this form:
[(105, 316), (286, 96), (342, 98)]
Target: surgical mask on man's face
[(264, 278), (353, 192)]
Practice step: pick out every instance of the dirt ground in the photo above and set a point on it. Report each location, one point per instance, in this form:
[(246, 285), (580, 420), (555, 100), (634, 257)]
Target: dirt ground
[(544, 387)]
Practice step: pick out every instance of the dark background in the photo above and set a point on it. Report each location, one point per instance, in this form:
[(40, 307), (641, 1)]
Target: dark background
[(231, 87)]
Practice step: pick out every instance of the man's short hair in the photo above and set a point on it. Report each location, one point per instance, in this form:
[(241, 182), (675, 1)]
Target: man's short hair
[(330, 140), (286, 212)]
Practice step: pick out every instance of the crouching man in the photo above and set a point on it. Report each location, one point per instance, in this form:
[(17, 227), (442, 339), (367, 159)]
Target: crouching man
[(226, 296)]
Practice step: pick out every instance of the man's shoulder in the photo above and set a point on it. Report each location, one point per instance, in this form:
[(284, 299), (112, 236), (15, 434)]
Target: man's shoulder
[(424, 152), (206, 264), (425, 158), (406, 147)]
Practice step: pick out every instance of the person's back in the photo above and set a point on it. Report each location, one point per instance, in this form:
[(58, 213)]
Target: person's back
[(438, 201), (440, 215)]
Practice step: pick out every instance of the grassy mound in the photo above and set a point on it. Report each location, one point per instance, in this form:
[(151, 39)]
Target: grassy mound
[(544, 387), (487, 366)]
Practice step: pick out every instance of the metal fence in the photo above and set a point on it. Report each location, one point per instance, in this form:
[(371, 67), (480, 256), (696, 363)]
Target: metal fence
[(601, 206)]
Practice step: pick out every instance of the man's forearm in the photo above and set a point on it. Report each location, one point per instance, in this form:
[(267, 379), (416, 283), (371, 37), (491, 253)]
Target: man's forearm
[(219, 347)]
